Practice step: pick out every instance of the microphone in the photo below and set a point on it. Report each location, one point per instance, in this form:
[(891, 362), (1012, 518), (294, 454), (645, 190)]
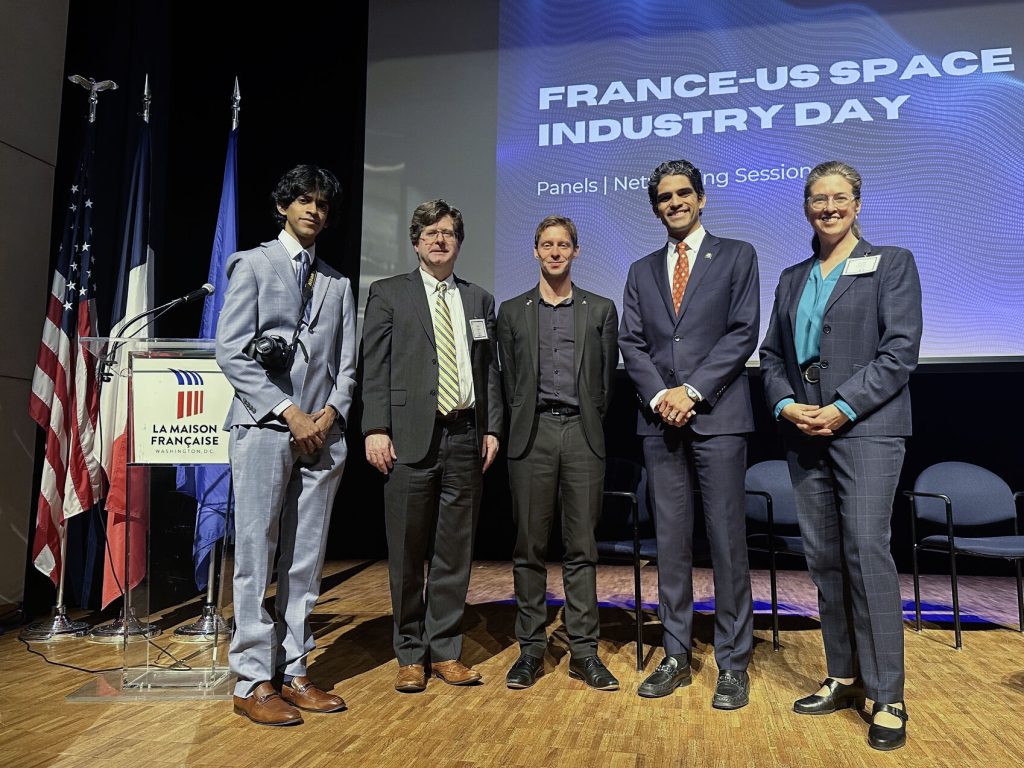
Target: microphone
[(103, 373), (207, 289)]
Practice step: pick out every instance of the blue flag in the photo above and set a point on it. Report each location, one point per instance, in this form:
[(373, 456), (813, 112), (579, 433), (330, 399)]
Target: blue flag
[(210, 483)]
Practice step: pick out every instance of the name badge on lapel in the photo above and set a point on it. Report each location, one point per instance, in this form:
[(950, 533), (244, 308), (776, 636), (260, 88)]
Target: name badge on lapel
[(862, 265), (479, 329)]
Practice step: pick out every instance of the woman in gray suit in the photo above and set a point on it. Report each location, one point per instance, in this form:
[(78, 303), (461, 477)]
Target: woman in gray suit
[(842, 341)]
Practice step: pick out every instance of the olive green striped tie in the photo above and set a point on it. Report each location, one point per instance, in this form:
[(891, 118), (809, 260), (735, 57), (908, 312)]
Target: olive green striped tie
[(447, 366)]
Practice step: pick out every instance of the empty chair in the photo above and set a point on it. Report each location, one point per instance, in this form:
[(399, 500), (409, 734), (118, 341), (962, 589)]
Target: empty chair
[(772, 509), (958, 496), (626, 531)]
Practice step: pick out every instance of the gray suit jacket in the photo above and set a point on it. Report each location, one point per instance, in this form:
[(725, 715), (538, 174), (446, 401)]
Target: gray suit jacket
[(706, 345), (869, 341), (263, 298), (596, 356), (399, 387)]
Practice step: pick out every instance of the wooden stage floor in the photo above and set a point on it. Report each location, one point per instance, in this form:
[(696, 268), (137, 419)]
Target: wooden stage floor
[(966, 707)]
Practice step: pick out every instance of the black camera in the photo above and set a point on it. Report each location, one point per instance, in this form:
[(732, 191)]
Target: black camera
[(272, 352)]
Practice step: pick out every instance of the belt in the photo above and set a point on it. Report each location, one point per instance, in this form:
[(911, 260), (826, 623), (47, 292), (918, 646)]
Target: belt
[(452, 416), (559, 410), (812, 373)]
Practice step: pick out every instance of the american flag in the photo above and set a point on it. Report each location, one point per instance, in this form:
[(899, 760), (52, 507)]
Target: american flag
[(64, 399)]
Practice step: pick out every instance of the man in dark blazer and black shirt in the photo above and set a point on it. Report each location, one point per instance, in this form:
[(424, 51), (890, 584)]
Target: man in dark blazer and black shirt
[(432, 415), (690, 316), (558, 353)]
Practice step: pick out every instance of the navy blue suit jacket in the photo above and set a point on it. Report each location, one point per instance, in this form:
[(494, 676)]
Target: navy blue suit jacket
[(870, 340), (706, 346)]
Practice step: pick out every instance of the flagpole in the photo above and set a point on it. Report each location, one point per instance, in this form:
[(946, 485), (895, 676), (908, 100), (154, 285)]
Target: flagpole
[(147, 99), (211, 624), (59, 626), (127, 626)]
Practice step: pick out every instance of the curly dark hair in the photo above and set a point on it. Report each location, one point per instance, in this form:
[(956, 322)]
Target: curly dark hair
[(306, 180)]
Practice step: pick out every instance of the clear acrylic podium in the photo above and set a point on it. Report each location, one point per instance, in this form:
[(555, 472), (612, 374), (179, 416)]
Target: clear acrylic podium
[(172, 399)]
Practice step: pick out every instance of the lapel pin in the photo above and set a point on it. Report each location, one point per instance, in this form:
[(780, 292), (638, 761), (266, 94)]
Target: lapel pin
[(707, 256), (529, 302), (584, 301)]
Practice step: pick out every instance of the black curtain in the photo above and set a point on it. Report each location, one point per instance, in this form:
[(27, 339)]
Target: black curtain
[(302, 77)]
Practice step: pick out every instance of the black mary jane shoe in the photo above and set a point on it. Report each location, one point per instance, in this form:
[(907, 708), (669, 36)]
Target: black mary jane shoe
[(839, 696), (884, 738)]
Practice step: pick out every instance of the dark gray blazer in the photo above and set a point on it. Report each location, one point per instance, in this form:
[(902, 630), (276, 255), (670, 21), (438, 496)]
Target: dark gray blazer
[(596, 356), (399, 387), (707, 345), (869, 341)]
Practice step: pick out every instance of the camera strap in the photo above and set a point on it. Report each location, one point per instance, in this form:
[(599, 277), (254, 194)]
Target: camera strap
[(307, 290), (307, 296)]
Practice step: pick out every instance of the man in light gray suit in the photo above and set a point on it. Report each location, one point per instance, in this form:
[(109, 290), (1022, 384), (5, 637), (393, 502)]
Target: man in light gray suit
[(432, 416), (286, 342)]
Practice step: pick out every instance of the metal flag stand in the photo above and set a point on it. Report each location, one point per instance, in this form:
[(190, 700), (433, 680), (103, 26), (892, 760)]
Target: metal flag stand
[(59, 626), (211, 624)]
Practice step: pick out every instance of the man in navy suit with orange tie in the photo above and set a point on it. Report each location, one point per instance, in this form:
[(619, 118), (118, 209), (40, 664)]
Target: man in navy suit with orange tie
[(690, 315)]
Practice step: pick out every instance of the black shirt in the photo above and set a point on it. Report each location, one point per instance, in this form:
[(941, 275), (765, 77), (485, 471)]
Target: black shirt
[(556, 333)]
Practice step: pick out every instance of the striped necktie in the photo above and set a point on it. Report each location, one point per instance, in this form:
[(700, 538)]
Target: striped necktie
[(680, 276), (447, 366)]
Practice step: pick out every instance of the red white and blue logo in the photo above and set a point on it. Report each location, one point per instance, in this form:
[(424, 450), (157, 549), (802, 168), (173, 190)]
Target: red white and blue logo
[(190, 393)]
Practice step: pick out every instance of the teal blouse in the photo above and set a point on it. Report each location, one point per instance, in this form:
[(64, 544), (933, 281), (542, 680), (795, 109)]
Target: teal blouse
[(810, 317)]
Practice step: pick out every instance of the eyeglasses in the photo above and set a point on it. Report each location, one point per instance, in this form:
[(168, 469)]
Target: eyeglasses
[(432, 234), (840, 201)]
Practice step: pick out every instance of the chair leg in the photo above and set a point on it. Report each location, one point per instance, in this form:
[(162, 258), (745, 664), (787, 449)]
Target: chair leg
[(1020, 600), (639, 606), (917, 591), (773, 577), (956, 601)]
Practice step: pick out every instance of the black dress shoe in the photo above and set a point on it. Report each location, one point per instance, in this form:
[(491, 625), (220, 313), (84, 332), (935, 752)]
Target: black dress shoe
[(524, 672), (672, 673), (839, 696), (732, 691), (591, 671), (884, 738)]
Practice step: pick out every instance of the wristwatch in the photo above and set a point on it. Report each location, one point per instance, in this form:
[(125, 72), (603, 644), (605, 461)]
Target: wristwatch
[(692, 393)]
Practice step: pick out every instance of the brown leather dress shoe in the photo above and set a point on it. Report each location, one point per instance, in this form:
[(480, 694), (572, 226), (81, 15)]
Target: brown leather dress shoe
[(301, 693), (266, 707), (454, 672), (412, 678)]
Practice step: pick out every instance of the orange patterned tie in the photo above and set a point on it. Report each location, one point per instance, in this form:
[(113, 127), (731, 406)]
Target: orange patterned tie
[(680, 275)]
